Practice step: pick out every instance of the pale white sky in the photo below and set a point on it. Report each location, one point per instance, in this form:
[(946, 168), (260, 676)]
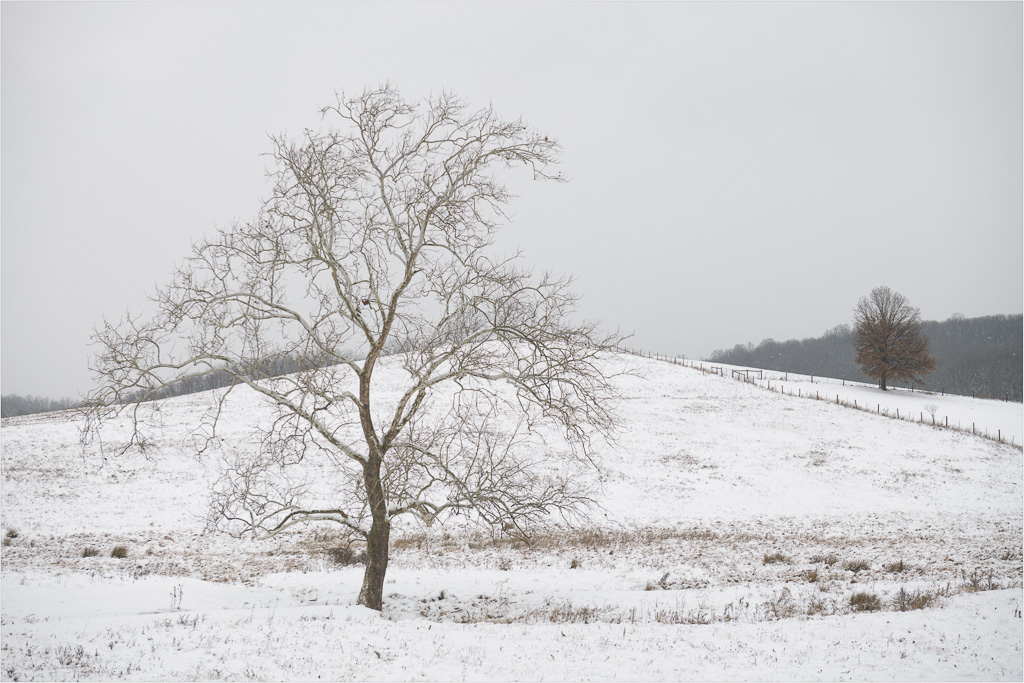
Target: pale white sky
[(738, 170)]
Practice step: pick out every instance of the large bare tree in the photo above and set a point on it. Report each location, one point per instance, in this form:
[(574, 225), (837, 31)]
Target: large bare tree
[(376, 250), (888, 338)]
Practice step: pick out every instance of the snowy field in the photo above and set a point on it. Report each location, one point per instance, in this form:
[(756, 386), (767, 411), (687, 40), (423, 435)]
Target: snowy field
[(999, 420), (741, 534)]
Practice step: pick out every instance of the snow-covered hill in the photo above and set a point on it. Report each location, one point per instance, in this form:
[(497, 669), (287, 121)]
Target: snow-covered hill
[(735, 525)]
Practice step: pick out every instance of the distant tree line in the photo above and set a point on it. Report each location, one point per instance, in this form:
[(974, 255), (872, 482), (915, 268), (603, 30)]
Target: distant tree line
[(973, 356), (13, 404), (189, 383)]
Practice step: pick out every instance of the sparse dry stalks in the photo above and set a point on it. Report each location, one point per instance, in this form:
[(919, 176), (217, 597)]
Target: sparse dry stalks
[(567, 540), (828, 559), (865, 602), (856, 566), (905, 600), (896, 567), (777, 557)]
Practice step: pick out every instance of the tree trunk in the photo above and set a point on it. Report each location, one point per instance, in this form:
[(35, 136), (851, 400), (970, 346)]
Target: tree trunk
[(372, 593), (881, 383)]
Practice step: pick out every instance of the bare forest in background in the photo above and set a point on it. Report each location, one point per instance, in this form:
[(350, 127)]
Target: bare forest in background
[(973, 356), (13, 404)]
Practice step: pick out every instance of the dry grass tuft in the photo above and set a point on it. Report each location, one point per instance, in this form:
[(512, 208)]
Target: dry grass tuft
[(865, 602), (906, 601), (896, 567), (856, 566), (777, 557)]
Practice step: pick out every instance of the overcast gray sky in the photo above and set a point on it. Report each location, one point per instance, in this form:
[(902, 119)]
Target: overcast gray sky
[(738, 170)]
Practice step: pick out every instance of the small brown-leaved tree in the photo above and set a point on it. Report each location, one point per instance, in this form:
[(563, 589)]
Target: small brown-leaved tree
[(378, 238), (888, 338)]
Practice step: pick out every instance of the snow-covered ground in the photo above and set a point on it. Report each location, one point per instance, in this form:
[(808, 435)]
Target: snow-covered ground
[(735, 526), (999, 420)]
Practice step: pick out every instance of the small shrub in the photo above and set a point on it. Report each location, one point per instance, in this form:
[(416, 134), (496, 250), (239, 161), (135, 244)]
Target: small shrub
[(780, 606), (828, 560), (906, 601), (90, 552), (865, 602), (811, 575), (980, 582), (896, 567), (345, 556), (576, 564), (818, 607), (504, 564), (119, 551), (11, 533), (776, 558), (856, 566)]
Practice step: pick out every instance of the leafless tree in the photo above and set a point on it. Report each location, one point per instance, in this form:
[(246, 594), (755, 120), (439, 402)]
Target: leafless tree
[(379, 237), (888, 338)]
